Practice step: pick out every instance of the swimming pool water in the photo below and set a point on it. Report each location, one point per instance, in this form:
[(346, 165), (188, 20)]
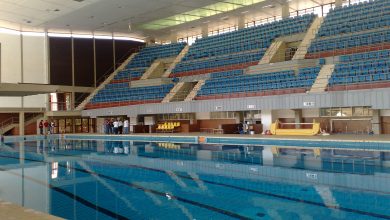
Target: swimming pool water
[(87, 179)]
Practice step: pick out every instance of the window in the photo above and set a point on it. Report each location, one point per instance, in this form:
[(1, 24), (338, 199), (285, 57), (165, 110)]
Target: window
[(346, 112)]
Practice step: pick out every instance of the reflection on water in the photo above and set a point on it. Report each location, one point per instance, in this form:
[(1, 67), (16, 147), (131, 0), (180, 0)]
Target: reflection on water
[(138, 180)]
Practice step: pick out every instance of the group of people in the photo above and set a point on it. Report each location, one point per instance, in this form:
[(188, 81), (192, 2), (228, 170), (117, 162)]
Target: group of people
[(45, 127), (116, 126)]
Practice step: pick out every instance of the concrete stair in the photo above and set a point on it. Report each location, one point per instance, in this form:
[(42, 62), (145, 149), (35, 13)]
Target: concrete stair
[(82, 105), (173, 92), (271, 52), (195, 90), (176, 61), (157, 69), (306, 42), (322, 79), (7, 128)]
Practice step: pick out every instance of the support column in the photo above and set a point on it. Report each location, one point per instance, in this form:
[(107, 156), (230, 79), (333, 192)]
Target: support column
[(285, 10), (21, 123), (338, 3), (298, 117), (173, 38), (241, 23), (376, 121), (266, 119), (205, 30)]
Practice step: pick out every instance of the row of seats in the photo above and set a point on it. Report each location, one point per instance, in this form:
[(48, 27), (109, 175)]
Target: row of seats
[(130, 73), (260, 82), (226, 74), (132, 94), (356, 69), (247, 39), (348, 41), (149, 54), (219, 61), (356, 18), (381, 54)]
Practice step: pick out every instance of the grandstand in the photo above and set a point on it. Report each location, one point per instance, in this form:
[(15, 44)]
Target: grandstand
[(319, 63)]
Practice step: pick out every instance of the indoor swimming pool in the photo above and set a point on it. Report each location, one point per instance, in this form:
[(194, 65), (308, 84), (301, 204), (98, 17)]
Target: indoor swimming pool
[(97, 179)]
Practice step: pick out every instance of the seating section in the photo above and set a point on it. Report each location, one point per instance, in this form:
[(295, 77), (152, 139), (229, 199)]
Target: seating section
[(120, 94), (227, 74), (238, 49), (361, 71), (144, 59), (283, 82), (353, 29), (355, 18)]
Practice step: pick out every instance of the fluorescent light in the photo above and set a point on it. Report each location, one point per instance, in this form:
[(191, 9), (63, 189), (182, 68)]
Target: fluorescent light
[(129, 38), (102, 37), (58, 35), (35, 34), (82, 36), (267, 6), (9, 31)]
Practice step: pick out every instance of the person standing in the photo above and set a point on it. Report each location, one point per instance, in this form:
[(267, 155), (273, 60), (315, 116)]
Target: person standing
[(126, 126), (52, 125), (116, 126), (41, 127), (111, 126), (120, 126), (46, 126)]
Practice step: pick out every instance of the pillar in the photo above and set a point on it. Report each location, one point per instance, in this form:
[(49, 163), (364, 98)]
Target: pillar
[(376, 121), (205, 30), (338, 3), (285, 10), (21, 123), (266, 119), (173, 38), (241, 22), (298, 117)]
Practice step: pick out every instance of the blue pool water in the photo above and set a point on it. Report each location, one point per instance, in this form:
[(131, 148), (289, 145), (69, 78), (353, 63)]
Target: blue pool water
[(87, 179)]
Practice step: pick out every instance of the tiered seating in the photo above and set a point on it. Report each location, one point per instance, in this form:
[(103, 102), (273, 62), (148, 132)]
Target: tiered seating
[(362, 71), (120, 94), (142, 61), (354, 29), (238, 49), (274, 83)]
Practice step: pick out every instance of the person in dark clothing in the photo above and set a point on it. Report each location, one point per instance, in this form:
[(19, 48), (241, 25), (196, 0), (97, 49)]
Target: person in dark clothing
[(41, 127)]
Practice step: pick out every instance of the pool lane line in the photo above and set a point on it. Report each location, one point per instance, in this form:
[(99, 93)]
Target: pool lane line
[(256, 192), (69, 195), (132, 185)]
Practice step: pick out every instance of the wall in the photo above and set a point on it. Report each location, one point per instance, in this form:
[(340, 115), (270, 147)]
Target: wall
[(23, 60)]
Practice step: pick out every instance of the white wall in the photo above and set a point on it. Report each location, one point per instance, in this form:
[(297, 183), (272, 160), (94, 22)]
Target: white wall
[(23, 60)]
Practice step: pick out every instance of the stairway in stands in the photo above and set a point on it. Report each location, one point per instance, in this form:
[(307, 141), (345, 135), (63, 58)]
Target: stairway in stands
[(271, 52), (82, 105), (195, 90), (323, 78), (310, 35), (179, 92), (176, 61)]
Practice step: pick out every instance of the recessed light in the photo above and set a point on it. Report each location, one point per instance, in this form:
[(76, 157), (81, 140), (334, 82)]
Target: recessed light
[(205, 22), (244, 12), (268, 6)]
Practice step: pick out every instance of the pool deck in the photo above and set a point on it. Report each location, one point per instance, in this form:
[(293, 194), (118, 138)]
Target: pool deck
[(9, 211)]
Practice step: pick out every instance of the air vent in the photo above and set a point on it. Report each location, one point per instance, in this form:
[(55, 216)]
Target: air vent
[(78, 0)]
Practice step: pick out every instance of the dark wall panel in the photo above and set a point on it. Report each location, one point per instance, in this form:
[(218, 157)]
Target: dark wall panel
[(60, 61), (124, 49), (104, 58), (83, 62)]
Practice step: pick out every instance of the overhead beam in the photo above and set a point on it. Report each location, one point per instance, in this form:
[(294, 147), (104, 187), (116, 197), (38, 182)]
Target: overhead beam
[(27, 89)]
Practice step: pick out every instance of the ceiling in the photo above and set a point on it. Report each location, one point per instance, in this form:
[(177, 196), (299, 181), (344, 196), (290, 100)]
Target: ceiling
[(131, 17)]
